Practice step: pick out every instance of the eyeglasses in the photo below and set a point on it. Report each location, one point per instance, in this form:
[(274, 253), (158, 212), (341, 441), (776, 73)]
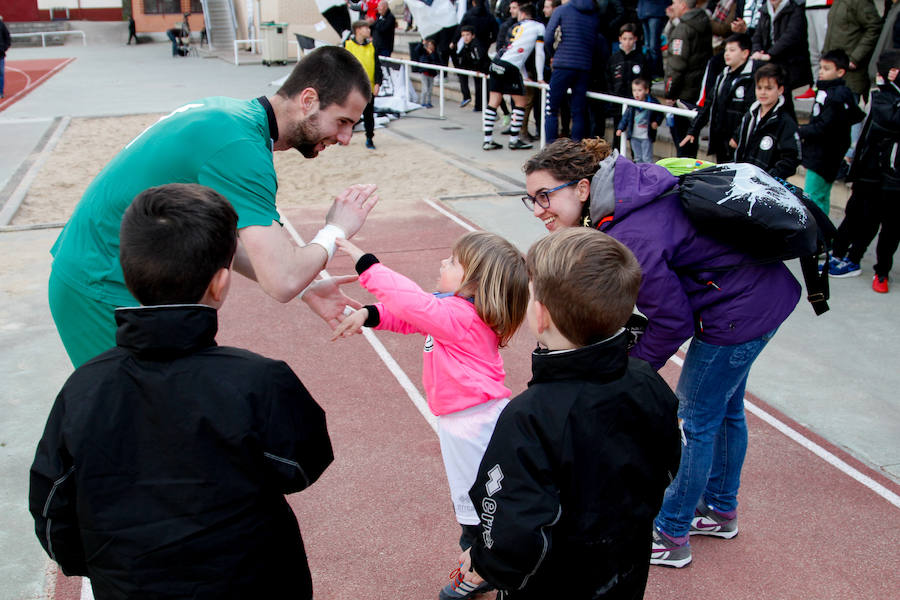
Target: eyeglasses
[(543, 198)]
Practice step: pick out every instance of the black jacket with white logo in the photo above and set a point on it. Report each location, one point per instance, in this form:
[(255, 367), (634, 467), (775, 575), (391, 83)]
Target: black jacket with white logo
[(573, 476), (826, 137), (770, 143), (164, 463), (724, 106)]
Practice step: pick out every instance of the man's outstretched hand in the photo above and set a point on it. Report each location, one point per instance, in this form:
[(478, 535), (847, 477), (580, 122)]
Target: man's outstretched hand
[(350, 209), (325, 298)]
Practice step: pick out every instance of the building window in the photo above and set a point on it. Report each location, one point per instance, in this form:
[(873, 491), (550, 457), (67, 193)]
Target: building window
[(196, 6), (162, 7)]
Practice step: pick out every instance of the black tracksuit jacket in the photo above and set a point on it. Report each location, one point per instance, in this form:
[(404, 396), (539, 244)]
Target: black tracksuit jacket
[(164, 463), (623, 68), (826, 137), (573, 476), (724, 107), (770, 143)]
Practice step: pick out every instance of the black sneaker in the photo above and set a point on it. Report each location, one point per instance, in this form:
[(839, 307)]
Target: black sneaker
[(492, 145), (520, 145), (507, 131)]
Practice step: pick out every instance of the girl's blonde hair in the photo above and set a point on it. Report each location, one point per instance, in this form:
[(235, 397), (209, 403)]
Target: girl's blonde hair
[(494, 275)]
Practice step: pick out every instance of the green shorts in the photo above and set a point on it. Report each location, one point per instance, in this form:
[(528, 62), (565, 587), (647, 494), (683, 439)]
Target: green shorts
[(86, 326)]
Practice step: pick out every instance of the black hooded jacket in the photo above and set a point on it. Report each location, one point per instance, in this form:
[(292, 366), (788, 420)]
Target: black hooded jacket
[(826, 138), (770, 143), (877, 157), (164, 463), (573, 476), (725, 106)]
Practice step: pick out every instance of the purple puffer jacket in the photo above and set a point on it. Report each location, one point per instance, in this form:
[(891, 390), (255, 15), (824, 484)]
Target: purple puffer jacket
[(677, 296)]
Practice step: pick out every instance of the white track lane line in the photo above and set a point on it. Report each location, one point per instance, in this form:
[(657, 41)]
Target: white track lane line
[(816, 449), (382, 352)]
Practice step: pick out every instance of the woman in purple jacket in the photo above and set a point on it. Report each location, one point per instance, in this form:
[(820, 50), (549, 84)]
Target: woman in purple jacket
[(693, 286)]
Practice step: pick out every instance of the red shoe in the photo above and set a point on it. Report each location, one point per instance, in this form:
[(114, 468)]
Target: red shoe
[(807, 95), (880, 284)]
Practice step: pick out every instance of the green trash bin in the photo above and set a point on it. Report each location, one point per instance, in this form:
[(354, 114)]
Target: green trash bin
[(274, 43)]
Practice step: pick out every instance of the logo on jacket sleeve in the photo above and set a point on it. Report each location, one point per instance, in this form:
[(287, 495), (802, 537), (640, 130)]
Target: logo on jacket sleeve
[(495, 476), (429, 343), (766, 143), (676, 46)]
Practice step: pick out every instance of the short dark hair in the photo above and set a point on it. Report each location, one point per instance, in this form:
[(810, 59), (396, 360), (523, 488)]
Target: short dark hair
[(642, 82), (527, 8), (837, 57), (629, 28), (744, 41), (330, 70), (887, 61), (359, 25), (770, 71), (587, 280), (467, 28), (172, 241)]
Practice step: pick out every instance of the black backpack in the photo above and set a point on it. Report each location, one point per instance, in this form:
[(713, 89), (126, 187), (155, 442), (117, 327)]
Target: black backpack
[(768, 219)]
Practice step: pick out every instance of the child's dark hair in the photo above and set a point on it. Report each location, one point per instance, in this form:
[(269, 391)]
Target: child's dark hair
[(494, 277), (467, 29), (838, 57), (641, 82), (587, 280), (744, 41), (172, 241), (770, 71), (330, 70), (887, 61), (359, 25), (629, 28)]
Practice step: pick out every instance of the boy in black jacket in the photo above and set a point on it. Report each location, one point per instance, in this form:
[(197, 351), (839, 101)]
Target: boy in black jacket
[(728, 101), (578, 464), (472, 57), (767, 136), (164, 462), (826, 137), (627, 63), (875, 173)]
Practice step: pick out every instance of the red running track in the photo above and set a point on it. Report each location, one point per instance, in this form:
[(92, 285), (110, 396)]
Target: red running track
[(22, 76), (379, 524)]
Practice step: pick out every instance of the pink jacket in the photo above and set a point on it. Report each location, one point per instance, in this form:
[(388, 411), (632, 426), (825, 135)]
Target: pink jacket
[(462, 366)]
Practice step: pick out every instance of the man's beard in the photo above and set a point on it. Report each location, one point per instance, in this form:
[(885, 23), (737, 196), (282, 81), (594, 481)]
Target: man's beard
[(305, 136)]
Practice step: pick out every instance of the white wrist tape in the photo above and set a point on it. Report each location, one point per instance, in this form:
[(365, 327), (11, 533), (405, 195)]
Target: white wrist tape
[(327, 236)]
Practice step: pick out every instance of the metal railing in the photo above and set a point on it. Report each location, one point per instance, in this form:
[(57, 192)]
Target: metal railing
[(624, 102), (45, 33)]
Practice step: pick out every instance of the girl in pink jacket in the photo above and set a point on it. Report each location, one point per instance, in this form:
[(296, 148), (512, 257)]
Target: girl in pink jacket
[(481, 301)]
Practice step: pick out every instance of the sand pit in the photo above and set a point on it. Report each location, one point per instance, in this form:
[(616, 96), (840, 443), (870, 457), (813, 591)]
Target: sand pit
[(405, 171)]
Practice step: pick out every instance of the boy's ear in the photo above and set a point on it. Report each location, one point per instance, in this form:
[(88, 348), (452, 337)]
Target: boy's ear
[(218, 286), (542, 317)]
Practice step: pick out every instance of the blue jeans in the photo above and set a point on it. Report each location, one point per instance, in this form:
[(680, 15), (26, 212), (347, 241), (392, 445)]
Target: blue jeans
[(642, 148), (560, 81), (653, 28), (711, 404)]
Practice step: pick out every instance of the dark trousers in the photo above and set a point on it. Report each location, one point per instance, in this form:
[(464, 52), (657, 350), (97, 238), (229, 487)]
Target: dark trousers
[(680, 128), (466, 93), (560, 81), (369, 119), (870, 207), (132, 35)]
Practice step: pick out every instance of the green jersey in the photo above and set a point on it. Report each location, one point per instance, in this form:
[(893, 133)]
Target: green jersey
[(222, 143)]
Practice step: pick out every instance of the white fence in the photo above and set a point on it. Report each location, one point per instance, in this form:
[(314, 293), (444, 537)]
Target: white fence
[(43, 35), (624, 102)]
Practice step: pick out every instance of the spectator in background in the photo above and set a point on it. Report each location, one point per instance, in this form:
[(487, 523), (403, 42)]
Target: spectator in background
[(360, 45), (888, 40), (768, 135), (781, 40), (610, 16), (727, 100), (639, 125), (747, 13), (367, 9), (574, 26), (816, 26), (472, 57), (854, 27), (428, 55), (5, 43), (626, 64), (132, 31), (721, 16), (652, 14), (688, 51), (383, 29)]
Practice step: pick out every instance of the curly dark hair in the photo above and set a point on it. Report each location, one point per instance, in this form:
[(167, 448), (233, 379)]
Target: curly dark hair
[(567, 160)]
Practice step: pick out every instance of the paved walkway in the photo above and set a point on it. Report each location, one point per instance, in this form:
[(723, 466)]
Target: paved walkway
[(832, 378)]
